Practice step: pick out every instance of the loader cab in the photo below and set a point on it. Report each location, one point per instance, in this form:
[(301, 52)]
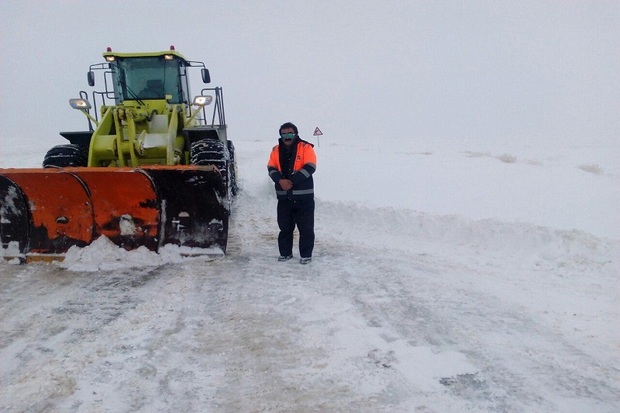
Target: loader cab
[(149, 77), (146, 76)]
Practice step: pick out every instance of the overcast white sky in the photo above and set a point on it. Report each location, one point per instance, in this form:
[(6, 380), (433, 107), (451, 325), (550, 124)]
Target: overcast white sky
[(451, 70)]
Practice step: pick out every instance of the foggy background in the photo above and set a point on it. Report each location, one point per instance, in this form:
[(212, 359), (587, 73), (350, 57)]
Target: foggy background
[(530, 72)]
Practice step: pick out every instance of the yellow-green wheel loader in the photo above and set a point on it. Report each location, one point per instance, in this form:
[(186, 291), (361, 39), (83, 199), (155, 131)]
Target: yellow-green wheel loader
[(155, 166)]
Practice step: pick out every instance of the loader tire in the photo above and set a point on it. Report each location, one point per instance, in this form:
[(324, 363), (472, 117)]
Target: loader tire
[(61, 156), (233, 168), (210, 152)]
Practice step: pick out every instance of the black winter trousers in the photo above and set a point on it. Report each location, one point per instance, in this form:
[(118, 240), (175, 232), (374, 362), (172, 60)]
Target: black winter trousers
[(290, 214)]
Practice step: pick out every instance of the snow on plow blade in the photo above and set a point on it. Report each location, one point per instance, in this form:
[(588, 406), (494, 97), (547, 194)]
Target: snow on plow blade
[(44, 212)]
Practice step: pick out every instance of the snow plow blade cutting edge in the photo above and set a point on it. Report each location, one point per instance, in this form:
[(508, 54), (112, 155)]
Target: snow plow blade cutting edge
[(44, 212)]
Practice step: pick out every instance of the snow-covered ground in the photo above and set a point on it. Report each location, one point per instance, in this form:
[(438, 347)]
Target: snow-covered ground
[(446, 278)]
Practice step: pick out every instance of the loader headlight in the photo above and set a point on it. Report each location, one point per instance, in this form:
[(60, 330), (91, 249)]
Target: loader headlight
[(203, 100), (81, 104)]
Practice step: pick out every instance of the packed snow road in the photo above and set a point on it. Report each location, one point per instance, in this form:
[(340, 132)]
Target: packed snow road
[(399, 312)]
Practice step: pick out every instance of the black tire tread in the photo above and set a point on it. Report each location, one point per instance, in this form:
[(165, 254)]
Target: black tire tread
[(61, 156)]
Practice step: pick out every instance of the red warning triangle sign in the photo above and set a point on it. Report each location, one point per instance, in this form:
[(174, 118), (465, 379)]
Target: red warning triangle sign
[(317, 132)]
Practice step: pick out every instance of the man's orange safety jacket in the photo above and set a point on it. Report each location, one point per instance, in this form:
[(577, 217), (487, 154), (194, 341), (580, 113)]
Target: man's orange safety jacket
[(297, 164)]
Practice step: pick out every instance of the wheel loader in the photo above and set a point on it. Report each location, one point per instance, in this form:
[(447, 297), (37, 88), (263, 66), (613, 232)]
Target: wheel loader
[(155, 166)]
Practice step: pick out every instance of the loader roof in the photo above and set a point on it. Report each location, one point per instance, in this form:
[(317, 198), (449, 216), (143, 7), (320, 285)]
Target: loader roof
[(171, 52)]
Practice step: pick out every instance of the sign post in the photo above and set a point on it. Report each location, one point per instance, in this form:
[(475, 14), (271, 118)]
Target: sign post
[(317, 133)]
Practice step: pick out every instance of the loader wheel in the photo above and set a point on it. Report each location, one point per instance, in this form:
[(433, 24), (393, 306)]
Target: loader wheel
[(61, 156), (210, 152), (233, 168)]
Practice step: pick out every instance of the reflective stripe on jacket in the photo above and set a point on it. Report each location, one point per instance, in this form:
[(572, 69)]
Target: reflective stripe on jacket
[(300, 172)]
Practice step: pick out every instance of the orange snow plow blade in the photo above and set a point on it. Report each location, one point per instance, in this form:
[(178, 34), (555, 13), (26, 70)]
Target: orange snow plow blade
[(44, 212)]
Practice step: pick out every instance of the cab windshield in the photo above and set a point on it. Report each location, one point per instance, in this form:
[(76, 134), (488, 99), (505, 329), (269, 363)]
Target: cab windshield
[(142, 78)]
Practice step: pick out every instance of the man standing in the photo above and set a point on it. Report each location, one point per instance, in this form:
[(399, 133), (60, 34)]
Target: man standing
[(291, 165)]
